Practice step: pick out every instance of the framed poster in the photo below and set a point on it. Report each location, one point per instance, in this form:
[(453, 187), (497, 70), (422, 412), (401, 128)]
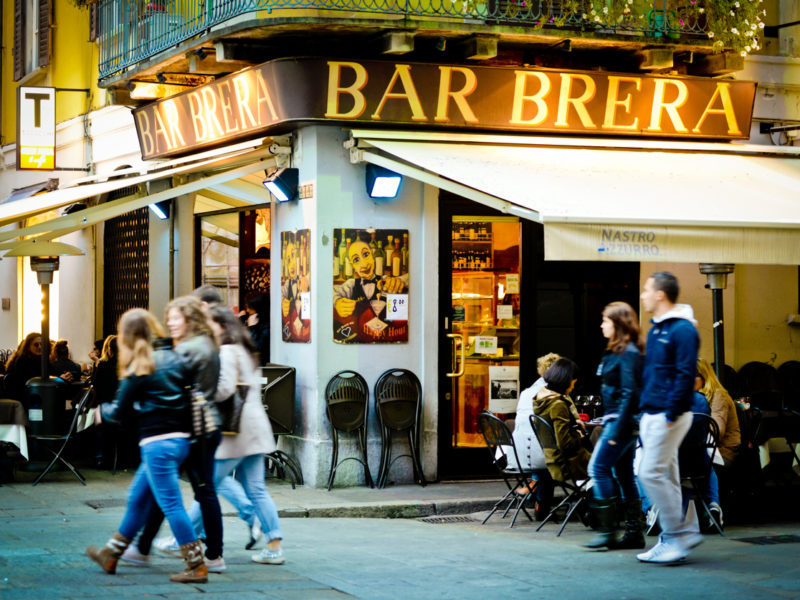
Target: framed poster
[(370, 286), (503, 389), (295, 286)]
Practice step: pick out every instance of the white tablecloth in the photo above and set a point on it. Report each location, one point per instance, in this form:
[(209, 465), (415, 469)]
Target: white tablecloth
[(15, 434)]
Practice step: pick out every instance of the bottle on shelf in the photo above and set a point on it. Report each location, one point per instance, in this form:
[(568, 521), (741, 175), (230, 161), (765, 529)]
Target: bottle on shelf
[(380, 259), (372, 245), (397, 258), (348, 266), (342, 255), (404, 253)]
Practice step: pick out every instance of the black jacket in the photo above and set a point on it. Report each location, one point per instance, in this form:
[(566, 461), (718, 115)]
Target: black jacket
[(160, 400), (105, 381), (622, 381)]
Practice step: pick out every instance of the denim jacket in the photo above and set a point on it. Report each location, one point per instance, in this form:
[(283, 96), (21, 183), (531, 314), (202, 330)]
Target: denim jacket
[(622, 381)]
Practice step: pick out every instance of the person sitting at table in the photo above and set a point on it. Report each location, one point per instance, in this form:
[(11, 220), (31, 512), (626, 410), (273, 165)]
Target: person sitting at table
[(24, 364), (723, 411), (105, 382), (571, 458), (61, 361)]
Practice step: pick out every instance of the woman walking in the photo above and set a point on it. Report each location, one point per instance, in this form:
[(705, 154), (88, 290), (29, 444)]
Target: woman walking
[(153, 386), (245, 451), (611, 466)]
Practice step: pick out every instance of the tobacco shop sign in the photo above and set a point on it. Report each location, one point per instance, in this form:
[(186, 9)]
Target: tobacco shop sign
[(271, 96)]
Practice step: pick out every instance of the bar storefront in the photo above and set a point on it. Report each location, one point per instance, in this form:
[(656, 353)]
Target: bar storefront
[(529, 200)]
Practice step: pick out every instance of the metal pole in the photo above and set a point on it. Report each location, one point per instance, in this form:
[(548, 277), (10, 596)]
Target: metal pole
[(45, 331), (719, 333)]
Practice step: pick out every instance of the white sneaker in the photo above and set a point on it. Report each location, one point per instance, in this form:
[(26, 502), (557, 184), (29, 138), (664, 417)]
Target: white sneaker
[(168, 545), (133, 556), (664, 552), (255, 534), (216, 565), (269, 557)]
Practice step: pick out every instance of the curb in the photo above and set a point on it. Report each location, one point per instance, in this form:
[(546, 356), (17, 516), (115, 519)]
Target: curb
[(400, 510)]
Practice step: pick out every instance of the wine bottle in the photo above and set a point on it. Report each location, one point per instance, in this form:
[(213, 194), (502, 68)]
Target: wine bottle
[(380, 259), (342, 254), (348, 266), (404, 253), (397, 258)]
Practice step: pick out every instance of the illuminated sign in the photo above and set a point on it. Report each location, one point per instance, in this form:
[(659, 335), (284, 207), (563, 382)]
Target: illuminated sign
[(36, 128), (268, 97)]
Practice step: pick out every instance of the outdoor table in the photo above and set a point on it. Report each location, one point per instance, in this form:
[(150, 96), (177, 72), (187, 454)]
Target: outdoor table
[(15, 434)]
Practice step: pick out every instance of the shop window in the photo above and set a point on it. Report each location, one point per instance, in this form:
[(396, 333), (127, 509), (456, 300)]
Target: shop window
[(32, 23)]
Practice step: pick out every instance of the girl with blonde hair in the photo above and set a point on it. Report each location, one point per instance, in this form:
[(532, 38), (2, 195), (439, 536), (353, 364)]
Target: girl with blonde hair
[(723, 411)]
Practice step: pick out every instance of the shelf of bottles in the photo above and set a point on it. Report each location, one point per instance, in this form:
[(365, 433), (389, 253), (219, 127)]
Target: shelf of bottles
[(486, 264), (389, 250)]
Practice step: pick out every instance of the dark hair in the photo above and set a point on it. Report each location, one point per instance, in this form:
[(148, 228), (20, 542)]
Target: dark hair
[(60, 350), (626, 326), (208, 294), (666, 282), (560, 374), (233, 332)]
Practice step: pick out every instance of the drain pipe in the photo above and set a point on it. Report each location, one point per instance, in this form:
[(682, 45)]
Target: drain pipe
[(717, 275)]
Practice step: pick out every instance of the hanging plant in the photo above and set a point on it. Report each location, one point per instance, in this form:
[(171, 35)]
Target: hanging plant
[(737, 24)]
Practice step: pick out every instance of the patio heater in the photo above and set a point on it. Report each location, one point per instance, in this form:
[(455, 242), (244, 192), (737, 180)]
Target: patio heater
[(44, 408), (717, 275)]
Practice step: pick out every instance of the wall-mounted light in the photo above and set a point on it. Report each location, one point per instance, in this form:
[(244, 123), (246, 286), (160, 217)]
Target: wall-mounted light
[(161, 78), (381, 182), (283, 184), (161, 209)]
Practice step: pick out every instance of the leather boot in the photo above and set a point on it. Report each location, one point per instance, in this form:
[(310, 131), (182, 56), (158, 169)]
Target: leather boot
[(196, 571), (606, 515), (633, 538), (108, 555)]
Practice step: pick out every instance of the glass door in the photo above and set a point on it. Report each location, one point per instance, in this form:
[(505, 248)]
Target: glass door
[(482, 325)]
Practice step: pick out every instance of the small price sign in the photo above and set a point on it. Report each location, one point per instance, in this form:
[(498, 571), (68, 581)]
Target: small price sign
[(305, 305), (397, 307)]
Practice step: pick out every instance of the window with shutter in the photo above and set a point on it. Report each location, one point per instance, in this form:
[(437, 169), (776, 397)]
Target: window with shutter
[(45, 21), (94, 17), (19, 39)]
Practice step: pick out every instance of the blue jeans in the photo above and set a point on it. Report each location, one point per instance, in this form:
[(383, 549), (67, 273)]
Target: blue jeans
[(156, 482), (611, 467), (250, 471)]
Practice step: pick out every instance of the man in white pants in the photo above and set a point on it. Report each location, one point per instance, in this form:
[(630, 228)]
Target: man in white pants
[(669, 373)]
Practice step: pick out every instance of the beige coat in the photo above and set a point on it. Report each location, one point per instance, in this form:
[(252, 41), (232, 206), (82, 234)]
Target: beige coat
[(255, 432), (724, 413)]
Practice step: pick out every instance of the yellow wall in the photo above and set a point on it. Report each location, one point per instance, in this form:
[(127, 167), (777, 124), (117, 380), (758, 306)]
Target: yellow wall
[(73, 64)]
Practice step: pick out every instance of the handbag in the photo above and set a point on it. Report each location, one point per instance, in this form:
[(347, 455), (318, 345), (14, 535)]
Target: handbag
[(203, 421), (230, 410)]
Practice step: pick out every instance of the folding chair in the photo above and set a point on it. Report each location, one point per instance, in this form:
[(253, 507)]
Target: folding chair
[(398, 406), (80, 412), (500, 442), (575, 493), (706, 441), (347, 397)]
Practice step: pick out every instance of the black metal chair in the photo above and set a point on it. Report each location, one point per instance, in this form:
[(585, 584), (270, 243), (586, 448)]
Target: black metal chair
[(500, 443), (759, 382), (728, 380), (398, 406), (703, 438), (80, 411), (277, 396), (575, 492), (347, 397), (789, 381)]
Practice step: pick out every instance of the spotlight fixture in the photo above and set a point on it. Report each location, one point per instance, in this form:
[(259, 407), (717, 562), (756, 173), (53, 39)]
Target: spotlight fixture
[(381, 182), (161, 209), (201, 53), (441, 44), (161, 78), (283, 184)]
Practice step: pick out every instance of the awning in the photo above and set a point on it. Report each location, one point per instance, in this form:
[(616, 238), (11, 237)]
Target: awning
[(618, 200), (247, 163), (103, 184), (30, 190)]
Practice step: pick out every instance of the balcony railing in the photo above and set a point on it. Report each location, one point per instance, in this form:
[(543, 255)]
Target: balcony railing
[(132, 31)]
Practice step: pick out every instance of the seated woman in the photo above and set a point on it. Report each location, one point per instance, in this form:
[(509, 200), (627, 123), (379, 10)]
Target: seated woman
[(24, 364), (571, 459), (723, 411), (61, 362)]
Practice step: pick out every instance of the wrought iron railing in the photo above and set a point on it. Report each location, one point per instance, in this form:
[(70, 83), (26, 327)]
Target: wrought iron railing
[(131, 31)]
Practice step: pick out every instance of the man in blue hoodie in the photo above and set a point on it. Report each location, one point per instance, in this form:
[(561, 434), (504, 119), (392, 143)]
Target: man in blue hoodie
[(665, 403)]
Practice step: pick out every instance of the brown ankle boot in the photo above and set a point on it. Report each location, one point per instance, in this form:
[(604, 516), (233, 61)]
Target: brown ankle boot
[(196, 571), (108, 555)]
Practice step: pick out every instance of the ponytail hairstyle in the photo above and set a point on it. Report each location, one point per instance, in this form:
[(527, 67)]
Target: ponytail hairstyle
[(136, 332), (60, 350), (626, 327)]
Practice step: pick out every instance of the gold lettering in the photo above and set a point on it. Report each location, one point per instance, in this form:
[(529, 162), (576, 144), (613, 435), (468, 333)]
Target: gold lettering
[(263, 97), (148, 145), (354, 90), (459, 97), (613, 101), (241, 87), (579, 104), (174, 121), (227, 111), (161, 130), (210, 109), (196, 111), (403, 73), (659, 105), (723, 92), (520, 83)]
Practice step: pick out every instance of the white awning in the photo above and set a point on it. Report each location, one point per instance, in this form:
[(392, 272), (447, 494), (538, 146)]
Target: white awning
[(247, 163), (625, 200)]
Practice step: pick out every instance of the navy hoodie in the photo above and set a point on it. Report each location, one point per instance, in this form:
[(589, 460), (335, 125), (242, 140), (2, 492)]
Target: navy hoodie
[(670, 364)]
